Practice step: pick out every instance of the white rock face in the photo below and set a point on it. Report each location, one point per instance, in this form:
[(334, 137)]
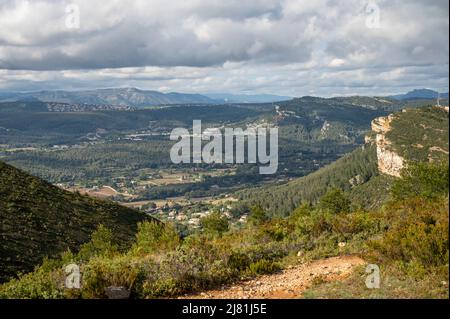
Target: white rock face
[(389, 162)]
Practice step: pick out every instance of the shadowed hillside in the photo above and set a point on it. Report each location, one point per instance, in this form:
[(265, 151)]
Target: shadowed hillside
[(40, 220)]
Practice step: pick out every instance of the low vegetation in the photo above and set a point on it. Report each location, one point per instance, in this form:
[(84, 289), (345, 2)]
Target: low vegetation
[(407, 237), (421, 134)]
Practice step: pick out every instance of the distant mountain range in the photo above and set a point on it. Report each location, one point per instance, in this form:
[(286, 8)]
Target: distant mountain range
[(420, 94), (247, 98), (135, 97), (119, 96)]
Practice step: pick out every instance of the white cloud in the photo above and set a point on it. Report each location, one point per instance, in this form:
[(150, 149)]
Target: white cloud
[(285, 46), (337, 63)]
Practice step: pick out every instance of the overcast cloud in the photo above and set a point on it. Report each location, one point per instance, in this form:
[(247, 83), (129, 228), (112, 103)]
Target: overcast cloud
[(290, 47)]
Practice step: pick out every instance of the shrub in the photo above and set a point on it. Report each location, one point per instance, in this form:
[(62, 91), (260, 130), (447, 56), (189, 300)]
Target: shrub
[(274, 231), (335, 201), (185, 270), (357, 223), (101, 273), (315, 224), (418, 236), (268, 251), (429, 180), (153, 237), (238, 261), (40, 284), (263, 266), (214, 224), (304, 210), (99, 245), (257, 216)]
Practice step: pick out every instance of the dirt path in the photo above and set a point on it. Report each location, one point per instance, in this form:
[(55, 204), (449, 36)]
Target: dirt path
[(289, 283)]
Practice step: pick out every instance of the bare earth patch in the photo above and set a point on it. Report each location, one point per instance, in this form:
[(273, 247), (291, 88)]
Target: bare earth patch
[(287, 284)]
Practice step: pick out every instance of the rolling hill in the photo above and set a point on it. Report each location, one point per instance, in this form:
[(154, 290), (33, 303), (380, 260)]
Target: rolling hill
[(39, 219)]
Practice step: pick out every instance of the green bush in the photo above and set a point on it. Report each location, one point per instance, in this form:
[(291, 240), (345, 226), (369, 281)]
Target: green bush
[(302, 211), (99, 245), (187, 269), (214, 224), (361, 223), (315, 224), (276, 232), (153, 237), (269, 251), (40, 284), (428, 180), (335, 201), (238, 261), (257, 215), (101, 273), (263, 266), (418, 235)]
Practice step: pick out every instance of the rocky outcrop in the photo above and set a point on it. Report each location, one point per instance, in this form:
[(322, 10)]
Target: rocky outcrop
[(356, 180), (389, 162)]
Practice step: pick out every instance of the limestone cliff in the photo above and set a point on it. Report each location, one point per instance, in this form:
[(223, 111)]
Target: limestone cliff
[(389, 162)]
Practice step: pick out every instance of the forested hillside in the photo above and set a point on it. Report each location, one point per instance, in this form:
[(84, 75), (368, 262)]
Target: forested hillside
[(416, 134), (39, 219), (349, 171)]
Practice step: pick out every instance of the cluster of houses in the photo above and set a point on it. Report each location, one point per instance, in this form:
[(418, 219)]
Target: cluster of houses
[(183, 216)]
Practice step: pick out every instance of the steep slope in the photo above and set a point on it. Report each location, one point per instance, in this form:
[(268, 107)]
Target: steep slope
[(38, 220), (349, 171), (389, 162), (366, 173), (412, 135)]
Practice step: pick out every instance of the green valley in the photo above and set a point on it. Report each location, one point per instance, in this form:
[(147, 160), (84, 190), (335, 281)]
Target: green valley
[(356, 206)]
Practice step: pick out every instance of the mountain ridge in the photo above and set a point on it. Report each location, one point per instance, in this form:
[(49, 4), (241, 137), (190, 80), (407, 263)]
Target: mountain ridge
[(134, 97), (420, 94), (110, 96)]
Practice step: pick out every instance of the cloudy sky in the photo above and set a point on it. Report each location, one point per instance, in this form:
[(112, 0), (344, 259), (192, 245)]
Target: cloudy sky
[(288, 47)]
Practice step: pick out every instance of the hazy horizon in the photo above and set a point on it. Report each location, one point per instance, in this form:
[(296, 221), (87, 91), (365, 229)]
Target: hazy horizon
[(215, 92)]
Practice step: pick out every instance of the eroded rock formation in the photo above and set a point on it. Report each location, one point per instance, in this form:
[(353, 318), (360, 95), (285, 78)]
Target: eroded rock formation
[(389, 162)]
